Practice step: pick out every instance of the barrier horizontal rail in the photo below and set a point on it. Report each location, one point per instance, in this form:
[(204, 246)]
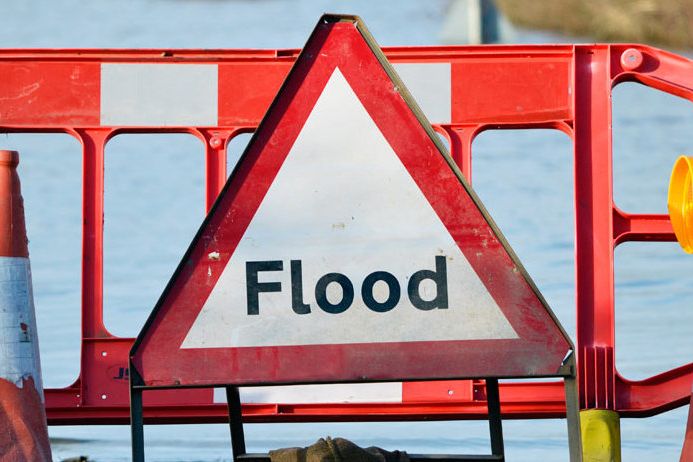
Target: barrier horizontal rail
[(463, 91)]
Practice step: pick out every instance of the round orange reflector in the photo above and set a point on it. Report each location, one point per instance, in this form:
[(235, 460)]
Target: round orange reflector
[(680, 201)]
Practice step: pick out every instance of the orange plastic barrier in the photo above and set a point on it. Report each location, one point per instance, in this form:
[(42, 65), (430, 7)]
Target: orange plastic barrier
[(462, 90)]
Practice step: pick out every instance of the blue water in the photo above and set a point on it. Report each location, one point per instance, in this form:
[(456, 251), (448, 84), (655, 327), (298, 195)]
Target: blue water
[(154, 204)]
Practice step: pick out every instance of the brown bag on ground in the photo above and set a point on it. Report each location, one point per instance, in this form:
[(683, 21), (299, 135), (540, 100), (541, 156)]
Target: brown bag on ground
[(336, 450)]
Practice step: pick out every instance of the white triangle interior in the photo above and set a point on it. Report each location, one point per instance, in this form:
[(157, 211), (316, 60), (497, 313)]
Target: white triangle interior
[(343, 202)]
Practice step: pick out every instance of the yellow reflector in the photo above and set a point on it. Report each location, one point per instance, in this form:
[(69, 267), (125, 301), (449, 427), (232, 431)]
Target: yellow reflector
[(680, 201)]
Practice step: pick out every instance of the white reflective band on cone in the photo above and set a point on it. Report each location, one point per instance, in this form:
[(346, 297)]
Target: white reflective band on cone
[(19, 352)]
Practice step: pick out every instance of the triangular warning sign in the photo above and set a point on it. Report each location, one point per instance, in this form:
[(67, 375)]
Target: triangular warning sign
[(346, 246), (339, 217)]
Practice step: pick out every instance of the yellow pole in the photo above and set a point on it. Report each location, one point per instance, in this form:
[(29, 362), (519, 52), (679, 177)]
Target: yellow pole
[(601, 435)]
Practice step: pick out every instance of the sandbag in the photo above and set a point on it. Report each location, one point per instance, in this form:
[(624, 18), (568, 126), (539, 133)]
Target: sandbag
[(336, 450)]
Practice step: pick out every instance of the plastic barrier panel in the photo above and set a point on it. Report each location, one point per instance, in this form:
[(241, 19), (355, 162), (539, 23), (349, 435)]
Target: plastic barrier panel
[(96, 94)]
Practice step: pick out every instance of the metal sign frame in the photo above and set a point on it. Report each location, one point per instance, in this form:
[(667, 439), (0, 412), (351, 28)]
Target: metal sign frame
[(565, 370), (238, 448)]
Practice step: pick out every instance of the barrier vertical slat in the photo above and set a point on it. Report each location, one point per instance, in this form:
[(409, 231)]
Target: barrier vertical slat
[(594, 226), (93, 143), (215, 163), (461, 148)]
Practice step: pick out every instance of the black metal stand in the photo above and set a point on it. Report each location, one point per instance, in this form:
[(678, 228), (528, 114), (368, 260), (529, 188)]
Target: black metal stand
[(494, 419), (136, 422), (494, 416), (233, 400)]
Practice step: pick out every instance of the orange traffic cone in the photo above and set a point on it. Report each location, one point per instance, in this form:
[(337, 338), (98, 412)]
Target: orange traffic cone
[(23, 430)]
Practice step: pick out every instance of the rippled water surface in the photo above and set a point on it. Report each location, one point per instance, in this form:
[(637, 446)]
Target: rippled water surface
[(154, 204)]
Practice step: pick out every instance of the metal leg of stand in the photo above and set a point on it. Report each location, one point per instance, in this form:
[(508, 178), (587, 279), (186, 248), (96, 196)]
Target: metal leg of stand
[(233, 399), (494, 417), (136, 425), (572, 414)]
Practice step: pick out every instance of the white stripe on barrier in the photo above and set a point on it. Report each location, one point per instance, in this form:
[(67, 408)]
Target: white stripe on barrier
[(19, 353), (430, 84), (140, 94), (324, 393), (159, 94)]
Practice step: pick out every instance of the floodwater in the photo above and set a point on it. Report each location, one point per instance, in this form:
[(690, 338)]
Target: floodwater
[(154, 204)]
